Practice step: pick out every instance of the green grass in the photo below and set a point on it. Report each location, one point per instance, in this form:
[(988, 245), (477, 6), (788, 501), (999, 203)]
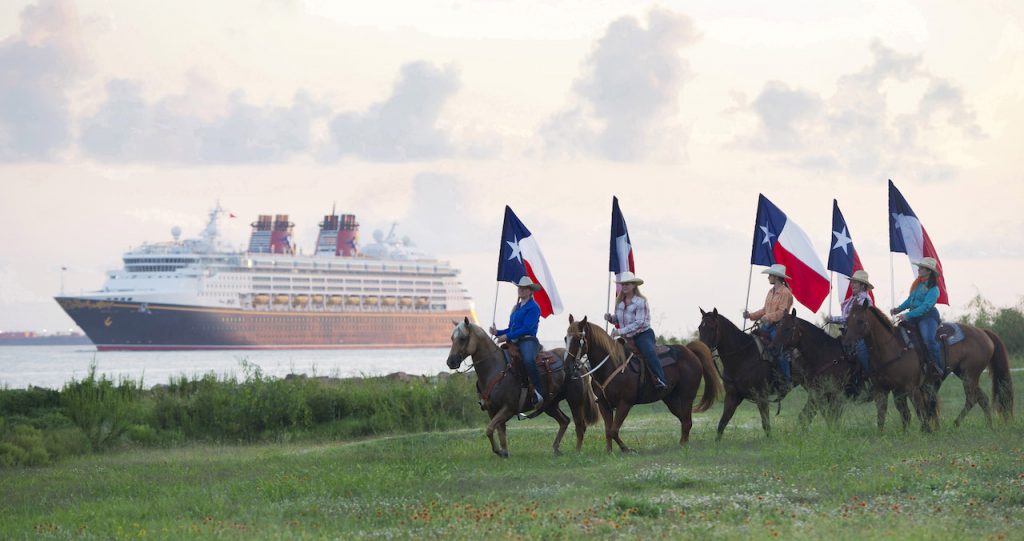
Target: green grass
[(846, 483)]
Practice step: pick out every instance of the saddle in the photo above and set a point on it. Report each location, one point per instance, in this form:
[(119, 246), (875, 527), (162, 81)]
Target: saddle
[(913, 340), (638, 364), (547, 364), (763, 341)]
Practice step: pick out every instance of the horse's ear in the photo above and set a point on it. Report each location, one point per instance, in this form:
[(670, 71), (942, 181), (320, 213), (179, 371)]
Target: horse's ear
[(865, 303), (702, 312), (584, 320), (467, 321), (571, 319), (794, 312), (715, 311)]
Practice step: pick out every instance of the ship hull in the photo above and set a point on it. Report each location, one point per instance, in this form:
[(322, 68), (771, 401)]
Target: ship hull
[(127, 326)]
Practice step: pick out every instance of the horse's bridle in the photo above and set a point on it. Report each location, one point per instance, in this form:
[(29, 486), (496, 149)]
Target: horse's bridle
[(582, 335)]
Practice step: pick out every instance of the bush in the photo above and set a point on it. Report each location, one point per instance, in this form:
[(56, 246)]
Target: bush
[(101, 409), (1007, 323), (24, 445)]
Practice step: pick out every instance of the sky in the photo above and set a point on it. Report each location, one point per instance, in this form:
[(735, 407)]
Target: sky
[(121, 119)]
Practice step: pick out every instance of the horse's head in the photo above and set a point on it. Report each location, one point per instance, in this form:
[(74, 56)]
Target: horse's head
[(577, 340), (465, 341), (709, 331), (858, 324), (787, 332)]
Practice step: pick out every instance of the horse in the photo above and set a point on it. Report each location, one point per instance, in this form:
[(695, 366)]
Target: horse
[(820, 365), (894, 368), (501, 392), (618, 388), (745, 374)]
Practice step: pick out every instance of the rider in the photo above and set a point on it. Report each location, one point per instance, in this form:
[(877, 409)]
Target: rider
[(522, 331), (776, 305), (633, 320), (924, 292), (859, 285)]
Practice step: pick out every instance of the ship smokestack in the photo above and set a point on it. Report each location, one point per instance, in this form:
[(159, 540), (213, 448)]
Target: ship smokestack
[(327, 240), (348, 236), (259, 240), (281, 236)]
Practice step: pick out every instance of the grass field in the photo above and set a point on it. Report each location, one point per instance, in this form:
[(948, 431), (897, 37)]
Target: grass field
[(847, 483)]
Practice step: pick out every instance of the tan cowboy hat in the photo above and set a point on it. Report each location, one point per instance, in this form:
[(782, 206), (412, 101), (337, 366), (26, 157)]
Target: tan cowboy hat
[(777, 269), (525, 281), (628, 278), (862, 277), (930, 264)]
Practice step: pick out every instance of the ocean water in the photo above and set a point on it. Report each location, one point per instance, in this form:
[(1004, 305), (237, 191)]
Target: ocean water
[(52, 366)]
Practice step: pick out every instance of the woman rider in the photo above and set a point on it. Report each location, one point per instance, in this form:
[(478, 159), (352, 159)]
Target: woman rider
[(522, 331), (633, 318), (776, 305), (924, 292), (859, 285)]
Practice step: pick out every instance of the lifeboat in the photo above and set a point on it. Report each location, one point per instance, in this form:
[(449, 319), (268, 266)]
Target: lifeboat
[(261, 299), (353, 300), (405, 301), (300, 300), (422, 302), (334, 300), (390, 301), (280, 299), (370, 301), (318, 299)]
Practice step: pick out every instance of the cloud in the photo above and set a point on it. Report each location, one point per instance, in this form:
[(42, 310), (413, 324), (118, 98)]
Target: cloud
[(36, 68), (625, 99), (855, 130), (440, 217), (405, 126), (127, 128)]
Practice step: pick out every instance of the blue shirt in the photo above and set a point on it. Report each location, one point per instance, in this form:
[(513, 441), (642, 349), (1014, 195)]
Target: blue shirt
[(921, 300), (523, 321)]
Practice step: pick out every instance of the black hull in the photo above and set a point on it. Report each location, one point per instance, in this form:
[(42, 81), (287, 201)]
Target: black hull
[(118, 326)]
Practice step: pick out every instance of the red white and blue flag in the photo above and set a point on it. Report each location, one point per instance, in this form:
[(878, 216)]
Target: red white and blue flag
[(777, 239), (620, 255), (907, 236), (843, 258), (518, 256)]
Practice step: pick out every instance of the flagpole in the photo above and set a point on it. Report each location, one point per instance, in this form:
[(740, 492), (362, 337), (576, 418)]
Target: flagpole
[(831, 279), (750, 278), (494, 314), (608, 300), (892, 284)]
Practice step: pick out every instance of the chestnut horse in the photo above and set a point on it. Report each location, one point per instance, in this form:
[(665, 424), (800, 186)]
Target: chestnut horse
[(820, 365), (745, 374), (618, 388), (968, 358), (894, 367), (501, 392)]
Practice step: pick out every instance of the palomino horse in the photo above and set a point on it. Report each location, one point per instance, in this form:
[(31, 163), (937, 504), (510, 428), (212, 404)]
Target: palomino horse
[(820, 365), (894, 368), (501, 391), (618, 388), (745, 374)]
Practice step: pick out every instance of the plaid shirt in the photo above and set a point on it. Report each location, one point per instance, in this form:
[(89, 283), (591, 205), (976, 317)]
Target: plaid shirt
[(859, 298), (633, 319)]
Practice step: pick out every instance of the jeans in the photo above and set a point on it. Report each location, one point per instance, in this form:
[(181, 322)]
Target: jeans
[(528, 348), (645, 343), (928, 324), (782, 358), (860, 350)]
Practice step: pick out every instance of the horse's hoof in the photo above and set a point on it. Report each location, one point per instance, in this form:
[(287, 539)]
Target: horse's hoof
[(628, 451), (503, 453), (558, 452)]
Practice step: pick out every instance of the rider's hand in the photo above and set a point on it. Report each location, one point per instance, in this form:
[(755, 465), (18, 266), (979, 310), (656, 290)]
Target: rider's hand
[(746, 314), (493, 329), (893, 311), (608, 318)]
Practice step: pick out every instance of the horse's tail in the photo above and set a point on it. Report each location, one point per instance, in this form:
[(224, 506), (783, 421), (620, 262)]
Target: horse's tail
[(590, 410), (712, 385), (1002, 383)]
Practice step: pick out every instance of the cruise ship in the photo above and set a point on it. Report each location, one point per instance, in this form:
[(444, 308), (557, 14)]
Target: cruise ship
[(200, 294)]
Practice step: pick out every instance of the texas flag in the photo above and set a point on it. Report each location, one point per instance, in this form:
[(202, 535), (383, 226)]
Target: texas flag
[(843, 258), (518, 256), (620, 258), (777, 239), (907, 235)]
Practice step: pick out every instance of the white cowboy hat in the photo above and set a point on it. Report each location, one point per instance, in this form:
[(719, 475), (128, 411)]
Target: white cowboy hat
[(777, 269), (525, 281), (862, 277), (930, 264), (628, 278)]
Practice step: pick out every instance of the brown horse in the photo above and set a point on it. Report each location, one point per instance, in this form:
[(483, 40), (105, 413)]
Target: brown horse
[(894, 367), (745, 374), (820, 365), (618, 388), (501, 392), (968, 358)]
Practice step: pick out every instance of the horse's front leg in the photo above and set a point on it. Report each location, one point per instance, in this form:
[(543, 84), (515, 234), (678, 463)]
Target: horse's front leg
[(809, 410), (498, 419), (608, 414), (881, 406), (766, 423), (732, 401), (900, 399), (621, 411)]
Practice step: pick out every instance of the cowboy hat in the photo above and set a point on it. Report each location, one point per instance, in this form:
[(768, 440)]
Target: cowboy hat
[(777, 269), (628, 278), (930, 264), (862, 277), (525, 281)]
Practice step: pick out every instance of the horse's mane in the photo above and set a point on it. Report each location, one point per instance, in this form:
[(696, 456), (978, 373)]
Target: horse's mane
[(882, 318), (732, 328), (815, 330), (606, 342), (472, 330)]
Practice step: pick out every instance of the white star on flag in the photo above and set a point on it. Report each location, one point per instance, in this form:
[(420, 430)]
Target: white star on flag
[(842, 241), (515, 250), (767, 235)]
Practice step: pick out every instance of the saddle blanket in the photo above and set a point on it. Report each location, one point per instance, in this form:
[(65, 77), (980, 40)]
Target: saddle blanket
[(664, 355), (950, 333)]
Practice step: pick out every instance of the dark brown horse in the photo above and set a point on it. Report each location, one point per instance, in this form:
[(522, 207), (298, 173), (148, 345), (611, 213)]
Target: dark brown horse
[(894, 367), (745, 374), (819, 364), (618, 388), (501, 392)]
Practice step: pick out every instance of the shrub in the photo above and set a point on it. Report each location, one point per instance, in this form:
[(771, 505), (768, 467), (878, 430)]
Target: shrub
[(101, 409)]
